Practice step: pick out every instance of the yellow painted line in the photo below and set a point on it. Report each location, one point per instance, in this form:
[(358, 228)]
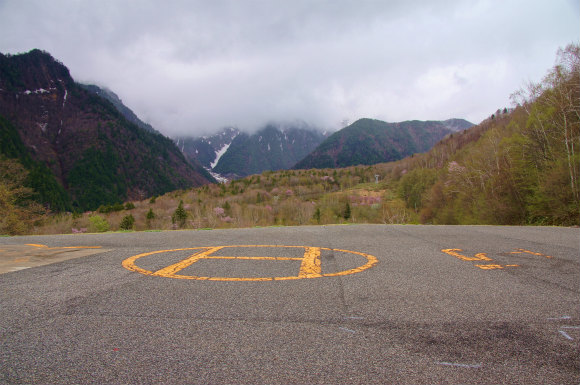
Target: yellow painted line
[(76, 247), (256, 258), (483, 257), (291, 277), (129, 263), (230, 279), (371, 261), (489, 267), (521, 251), (235, 279), (309, 268), (477, 257), (492, 267), (171, 270), (62, 247)]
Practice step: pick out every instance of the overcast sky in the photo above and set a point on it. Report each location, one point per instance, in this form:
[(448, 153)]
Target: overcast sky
[(190, 67)]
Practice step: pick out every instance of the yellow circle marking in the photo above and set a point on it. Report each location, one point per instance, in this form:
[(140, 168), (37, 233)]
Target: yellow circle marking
[(310, 266)]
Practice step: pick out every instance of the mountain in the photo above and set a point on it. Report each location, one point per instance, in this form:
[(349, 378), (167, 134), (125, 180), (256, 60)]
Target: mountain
[(369, 141), (207, 150), (274, 147), (81, 140), (457, 124), (118, 103)]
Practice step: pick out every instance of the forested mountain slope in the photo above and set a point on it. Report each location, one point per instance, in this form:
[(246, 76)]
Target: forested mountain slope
[(118, 103), (94, 153), (516, 168), (369, 141)]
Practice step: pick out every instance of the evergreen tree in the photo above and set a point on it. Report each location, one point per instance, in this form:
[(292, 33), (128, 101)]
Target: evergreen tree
[(149, 217), (346, 214), (127, 222), (317, 215), (179, 216)]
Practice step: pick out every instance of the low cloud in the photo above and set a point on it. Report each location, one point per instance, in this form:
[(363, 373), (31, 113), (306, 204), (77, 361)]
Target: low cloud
[(194, 67)]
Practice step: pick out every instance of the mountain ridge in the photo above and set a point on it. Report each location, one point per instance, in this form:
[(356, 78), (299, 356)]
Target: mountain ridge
[(233, 154), (206, 149), (371, 141), (118, 103), (274, 147), (93, 151)]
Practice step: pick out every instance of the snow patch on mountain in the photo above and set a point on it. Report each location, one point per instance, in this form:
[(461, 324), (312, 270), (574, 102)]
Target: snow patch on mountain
[(219, 154), (216, 176)]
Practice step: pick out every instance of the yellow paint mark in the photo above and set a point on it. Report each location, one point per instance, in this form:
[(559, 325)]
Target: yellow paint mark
[(309, 268), (477, 257), (287, 278), (491, 267), (23, 259), (76, 247), (521, 251), (62, 247), (171, 270), (371, 261), (235, 279), (483, 257), (129, 263), (257, 258)]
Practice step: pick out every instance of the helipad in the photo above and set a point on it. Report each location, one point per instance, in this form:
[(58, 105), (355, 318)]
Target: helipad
[(306, 261)]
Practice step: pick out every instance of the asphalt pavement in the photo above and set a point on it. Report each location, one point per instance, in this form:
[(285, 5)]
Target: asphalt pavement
[(360, 304)]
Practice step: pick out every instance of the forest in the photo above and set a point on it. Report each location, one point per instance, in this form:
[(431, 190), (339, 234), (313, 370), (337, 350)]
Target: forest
[(518, 167)]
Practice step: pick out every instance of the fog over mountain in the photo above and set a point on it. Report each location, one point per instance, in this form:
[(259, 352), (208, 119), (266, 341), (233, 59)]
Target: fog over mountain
[(194, 67)]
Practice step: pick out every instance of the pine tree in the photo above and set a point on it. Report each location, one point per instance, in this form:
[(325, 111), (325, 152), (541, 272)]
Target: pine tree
[(127, 222), (179, 216), (149, 217), (347, 211), (317, 215)]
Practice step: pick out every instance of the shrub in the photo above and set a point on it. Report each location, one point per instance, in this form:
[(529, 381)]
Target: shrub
[(110, 208), (12, 225), (127, 222), (99, 224), (129, 206)]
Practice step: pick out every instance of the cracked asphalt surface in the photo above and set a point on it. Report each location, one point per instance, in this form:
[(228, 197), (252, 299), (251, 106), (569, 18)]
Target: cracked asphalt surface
[(502, 307)]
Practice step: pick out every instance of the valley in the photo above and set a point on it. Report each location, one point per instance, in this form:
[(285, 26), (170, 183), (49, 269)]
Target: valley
[(91, 165)]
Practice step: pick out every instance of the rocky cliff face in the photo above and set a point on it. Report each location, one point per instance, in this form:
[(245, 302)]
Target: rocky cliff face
[(207, 150), (275, 147), (92, 149), (234, 154)]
